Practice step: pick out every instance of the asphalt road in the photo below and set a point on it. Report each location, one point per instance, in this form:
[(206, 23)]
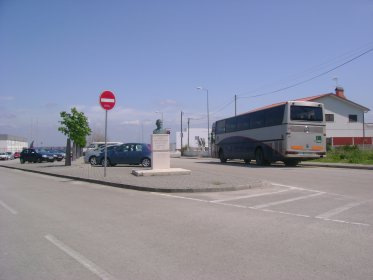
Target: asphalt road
[(303, 223)]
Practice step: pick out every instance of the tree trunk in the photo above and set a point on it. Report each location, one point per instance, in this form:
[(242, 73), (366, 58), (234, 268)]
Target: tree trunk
[(78, 151), (74, 151), (68, 153)]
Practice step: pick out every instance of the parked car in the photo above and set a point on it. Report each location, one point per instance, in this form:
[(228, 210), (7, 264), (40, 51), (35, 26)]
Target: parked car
[(98, 145), (33, 155), (57, 155), (4, 156), (91, 155), (129, 153), (17, 155), (10, 155)]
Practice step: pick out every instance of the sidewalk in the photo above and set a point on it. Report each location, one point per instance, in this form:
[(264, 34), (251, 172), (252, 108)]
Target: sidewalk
[(199, 180), (202, 179)]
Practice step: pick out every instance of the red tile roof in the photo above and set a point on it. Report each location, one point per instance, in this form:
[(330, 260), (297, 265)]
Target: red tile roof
[(310, 98)]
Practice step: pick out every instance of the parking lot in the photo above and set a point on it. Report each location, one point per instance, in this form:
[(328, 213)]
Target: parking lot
[(294, 201), (280, 222)]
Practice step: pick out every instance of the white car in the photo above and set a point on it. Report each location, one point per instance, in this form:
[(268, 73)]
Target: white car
[(4, 156)]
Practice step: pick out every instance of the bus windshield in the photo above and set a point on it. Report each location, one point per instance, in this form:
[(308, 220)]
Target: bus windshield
[(306, 113)]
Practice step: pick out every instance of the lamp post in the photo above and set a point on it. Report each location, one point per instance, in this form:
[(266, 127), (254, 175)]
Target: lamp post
[(208, 115), (159, 112), (181, 133)]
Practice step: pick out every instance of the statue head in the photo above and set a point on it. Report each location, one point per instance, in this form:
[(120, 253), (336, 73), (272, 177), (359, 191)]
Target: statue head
[(159, 124)]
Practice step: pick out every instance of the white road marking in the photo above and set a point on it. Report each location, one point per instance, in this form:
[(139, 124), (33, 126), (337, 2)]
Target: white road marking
[(339, 210), (7, 207), (266, 210), (294, 188), (102, 274), (281, 212), (180, 197), (247, 196), (260, 206), (343, 222)]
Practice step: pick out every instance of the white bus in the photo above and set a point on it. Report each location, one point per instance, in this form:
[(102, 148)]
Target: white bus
[(290, 132)]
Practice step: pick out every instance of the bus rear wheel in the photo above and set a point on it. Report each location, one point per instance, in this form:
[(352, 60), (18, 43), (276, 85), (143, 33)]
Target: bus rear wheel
[(259, 158), (222, 158)]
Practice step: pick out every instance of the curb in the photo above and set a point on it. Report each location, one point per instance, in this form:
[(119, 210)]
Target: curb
[(333, 165), (137, 188)]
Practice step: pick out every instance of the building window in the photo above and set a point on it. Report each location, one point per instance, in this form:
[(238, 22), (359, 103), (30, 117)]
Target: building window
[(329, 117), (352, 118)]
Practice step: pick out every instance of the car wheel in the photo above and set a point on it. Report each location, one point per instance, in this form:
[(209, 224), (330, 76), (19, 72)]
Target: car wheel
[(107, 162), (145, 162), (22, 160), (39, 160), (93, 160)]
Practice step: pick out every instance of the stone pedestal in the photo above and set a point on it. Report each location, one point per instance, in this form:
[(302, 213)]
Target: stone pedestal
[(161, 151), (161, 159)]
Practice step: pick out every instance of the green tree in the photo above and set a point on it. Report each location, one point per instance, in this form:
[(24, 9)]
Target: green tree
[(75, 126)]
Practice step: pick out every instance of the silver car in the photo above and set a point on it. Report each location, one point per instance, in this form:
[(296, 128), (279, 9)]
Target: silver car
[(91, 155)]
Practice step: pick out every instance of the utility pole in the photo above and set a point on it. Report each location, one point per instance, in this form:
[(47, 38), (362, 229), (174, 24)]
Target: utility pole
[(235, 104), (181, 133), (188, 132)]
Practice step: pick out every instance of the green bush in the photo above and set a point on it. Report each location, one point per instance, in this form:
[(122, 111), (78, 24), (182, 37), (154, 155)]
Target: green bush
[(349, 154)]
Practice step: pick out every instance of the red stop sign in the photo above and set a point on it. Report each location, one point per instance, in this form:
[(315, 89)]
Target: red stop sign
[(107, 100)]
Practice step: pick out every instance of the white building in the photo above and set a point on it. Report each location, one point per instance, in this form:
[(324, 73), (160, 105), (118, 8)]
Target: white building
[(10, 143), (195, 139), (345, 124)]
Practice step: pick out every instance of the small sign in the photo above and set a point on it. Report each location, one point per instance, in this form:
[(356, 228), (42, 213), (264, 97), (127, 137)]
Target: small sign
[(107, 100)]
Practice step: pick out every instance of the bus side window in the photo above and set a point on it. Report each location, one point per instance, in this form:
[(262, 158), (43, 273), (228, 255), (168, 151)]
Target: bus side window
[(243, 122), (231, 125), (257, 120), (274, 116), (220, 127)]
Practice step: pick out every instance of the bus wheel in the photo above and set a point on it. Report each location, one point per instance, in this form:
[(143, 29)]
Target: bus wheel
[(222, 158), (259, 157), (247, 160), (291, 162)]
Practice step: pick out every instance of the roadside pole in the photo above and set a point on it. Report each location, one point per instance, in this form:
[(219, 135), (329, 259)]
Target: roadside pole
[(107, 102), (105, 143)]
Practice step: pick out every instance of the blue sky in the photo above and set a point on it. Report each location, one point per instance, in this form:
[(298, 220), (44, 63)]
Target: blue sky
[(153, 54)]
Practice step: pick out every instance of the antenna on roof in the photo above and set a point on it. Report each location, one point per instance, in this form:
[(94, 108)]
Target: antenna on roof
[(336, 81)]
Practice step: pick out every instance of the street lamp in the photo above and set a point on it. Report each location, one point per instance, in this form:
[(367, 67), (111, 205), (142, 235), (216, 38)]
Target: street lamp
[(208, 115), (159, 112)]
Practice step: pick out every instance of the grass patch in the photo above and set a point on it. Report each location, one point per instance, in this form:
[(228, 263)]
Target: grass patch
[(348, 154)]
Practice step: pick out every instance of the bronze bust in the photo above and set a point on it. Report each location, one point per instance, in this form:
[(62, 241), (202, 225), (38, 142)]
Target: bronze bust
[(159, 129)]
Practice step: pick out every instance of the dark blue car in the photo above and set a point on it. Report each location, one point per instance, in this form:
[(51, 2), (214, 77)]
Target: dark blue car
[(129, 153)]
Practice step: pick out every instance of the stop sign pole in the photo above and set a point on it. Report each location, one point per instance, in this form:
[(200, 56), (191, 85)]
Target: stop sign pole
[(107, 102)]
